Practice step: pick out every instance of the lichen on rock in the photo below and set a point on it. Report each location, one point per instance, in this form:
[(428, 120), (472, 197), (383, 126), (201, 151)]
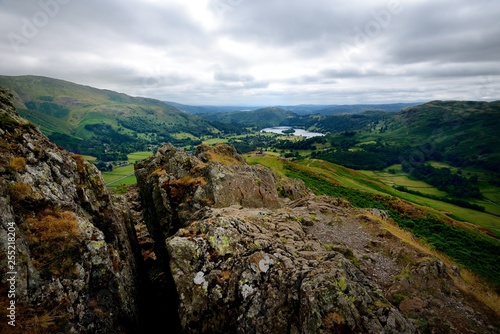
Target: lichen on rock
[(75, 272)]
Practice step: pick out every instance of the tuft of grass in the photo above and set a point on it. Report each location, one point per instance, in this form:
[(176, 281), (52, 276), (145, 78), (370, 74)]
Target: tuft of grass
[(468, 281), (53, 239), (16, 164), (20, 191), (80, 162)]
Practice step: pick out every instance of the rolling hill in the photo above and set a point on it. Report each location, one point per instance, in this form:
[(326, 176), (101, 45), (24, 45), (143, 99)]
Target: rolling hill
[(260, 118), (462, 133), (430, 221), (359, 108), (100, 122), (208, 109)]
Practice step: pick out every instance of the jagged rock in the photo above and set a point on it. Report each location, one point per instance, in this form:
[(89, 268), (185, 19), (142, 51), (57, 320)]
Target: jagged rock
[(304, 264), (241, 261), (75, 272), (233, 274), (178, 184)]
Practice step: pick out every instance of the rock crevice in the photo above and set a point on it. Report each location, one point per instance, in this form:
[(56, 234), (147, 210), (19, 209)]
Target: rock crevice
[(73, 248)]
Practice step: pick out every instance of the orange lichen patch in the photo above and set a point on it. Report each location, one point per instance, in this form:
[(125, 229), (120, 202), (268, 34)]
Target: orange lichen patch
[(334, 322), (189, 181), (221, 153), (226, 274), (52, 225)]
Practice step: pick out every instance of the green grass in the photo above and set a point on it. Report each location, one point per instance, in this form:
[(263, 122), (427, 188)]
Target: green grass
[(214, 141), (184, 135), (405, 181), (466, 245), (117, 173), (271, 162), (368, 182), (130, 180), (137, 156), (124, 175), (89, 158)]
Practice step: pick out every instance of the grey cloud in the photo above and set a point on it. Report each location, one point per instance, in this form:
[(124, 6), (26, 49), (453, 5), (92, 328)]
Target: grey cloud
[(292, 49), (442, 32), (246, 81), (232, 77)]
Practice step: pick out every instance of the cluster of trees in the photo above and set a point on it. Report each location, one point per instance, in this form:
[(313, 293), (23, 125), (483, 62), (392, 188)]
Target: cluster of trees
[(443, 179), (340, 123), (106, 144), (376, 156), (252, 143)]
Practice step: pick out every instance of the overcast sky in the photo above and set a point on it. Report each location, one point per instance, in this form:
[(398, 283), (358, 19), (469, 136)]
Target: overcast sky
[(260, 52)]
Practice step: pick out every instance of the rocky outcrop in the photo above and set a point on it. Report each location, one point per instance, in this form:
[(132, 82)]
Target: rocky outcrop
[(247, 251), (176, 185), (239, 256), (217, 246), (251, 271), (75, 272)]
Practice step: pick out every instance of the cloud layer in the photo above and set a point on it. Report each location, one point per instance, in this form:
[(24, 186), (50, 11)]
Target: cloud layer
[(260, 52)]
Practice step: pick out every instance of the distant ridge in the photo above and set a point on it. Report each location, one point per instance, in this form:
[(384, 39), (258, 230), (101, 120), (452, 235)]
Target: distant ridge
[(208, 109), (98, 122)]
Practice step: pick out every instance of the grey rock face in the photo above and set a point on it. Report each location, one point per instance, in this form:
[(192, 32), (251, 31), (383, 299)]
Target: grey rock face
[(74, 269), (234, 274), (239, 256)]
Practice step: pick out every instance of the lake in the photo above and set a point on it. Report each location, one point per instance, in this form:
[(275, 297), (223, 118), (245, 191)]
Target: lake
[(298, 132)]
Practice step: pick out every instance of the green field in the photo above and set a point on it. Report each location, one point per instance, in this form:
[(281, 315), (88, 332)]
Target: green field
[(369, 182), (213, 141), (136, 156), (89, 158), (124, 175), (401, 179)]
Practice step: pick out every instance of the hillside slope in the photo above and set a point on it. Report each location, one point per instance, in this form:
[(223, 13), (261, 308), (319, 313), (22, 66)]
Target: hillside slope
[(82, 118), (69, 247), (251, 251), (463, 133), (260, 118)]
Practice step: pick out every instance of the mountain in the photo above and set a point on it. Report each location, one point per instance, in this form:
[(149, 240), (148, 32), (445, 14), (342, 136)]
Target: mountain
[(253, 250), (359, 108), (300, 109), (460, 133), (206, 243), (463, 133), (75, 271), (100, 122), (207, 109), (305, 109), (260, 118)]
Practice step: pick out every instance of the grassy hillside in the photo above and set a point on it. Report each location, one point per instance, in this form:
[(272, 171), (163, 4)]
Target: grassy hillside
[(97, 122), (463, 133), (260, 118), (359, 108), (471, 245)]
